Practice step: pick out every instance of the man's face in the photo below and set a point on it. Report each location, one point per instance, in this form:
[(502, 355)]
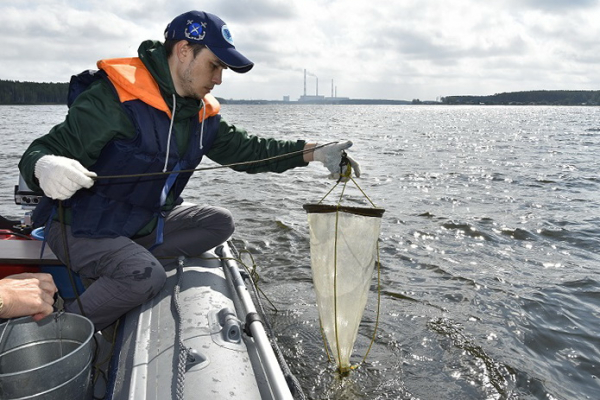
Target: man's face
[(199, 75)]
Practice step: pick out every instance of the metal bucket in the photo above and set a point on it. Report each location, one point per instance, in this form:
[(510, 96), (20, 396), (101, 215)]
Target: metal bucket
[(50, 359)]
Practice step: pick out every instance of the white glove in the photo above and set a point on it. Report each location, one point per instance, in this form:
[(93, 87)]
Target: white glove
[(331, 156), (60, 177)]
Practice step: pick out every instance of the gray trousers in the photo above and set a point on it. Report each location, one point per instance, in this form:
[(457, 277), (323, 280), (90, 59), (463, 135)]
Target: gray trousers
[(125, 273)]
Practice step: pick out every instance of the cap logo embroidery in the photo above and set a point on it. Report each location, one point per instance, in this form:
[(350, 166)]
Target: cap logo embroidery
[(227, 35), (195, 30)]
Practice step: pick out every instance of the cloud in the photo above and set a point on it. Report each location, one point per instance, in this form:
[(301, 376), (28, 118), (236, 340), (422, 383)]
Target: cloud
[(404, 50), (245, 11), (553, 6)]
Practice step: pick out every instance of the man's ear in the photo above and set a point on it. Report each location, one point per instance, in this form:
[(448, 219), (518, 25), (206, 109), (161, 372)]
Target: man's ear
[(182, 50)]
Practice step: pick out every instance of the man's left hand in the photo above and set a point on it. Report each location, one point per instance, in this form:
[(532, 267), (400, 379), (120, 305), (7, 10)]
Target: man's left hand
[(331, 156)]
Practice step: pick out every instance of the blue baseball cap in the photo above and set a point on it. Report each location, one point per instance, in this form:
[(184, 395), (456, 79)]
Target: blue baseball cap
[(208, 29)]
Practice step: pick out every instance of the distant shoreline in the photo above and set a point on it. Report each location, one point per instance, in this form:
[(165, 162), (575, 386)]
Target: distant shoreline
[(35, 93)]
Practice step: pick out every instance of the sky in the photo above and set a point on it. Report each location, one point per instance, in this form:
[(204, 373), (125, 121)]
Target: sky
[(394, 49)]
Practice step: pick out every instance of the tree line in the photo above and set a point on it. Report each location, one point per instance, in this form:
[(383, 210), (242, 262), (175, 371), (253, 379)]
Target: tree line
[(15, 92), (535, 97)]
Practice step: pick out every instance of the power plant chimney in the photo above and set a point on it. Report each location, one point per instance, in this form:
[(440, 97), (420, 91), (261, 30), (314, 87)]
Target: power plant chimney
[(305, 82)]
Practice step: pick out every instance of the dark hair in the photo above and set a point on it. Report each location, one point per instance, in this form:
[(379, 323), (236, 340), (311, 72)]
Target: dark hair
[(170, 45)]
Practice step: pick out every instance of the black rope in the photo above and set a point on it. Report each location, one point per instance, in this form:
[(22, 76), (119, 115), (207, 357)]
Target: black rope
[(63, 228), (238, 164)]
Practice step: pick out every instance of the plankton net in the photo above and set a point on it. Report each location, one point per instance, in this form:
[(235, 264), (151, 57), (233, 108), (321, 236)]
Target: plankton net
[(344, 252)]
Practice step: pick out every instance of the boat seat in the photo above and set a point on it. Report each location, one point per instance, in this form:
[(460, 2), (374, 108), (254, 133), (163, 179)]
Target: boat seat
[(26, 252)]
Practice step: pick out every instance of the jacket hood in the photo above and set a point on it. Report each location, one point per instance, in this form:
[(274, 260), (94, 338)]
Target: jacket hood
[(148, 78)]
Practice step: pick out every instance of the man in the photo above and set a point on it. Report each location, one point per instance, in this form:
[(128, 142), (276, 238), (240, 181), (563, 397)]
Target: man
[(149, 114), (27, 294)]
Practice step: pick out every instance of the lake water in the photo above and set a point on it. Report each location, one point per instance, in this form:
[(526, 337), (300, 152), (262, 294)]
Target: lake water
[(490, 278)]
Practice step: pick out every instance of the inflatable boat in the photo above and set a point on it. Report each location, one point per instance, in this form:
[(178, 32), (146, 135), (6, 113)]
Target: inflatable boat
[(204, 336)]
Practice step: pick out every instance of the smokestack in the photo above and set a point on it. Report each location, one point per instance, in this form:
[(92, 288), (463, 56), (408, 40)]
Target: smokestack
[(332, 88), (304, 81)]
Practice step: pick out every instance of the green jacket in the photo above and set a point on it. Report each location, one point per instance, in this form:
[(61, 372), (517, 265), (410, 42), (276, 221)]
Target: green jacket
[(97, 118)]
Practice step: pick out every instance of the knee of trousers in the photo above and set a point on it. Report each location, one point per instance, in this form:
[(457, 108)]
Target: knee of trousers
[(141, 274), (148, 280), (228, 223), (156, 283), (219, 223)]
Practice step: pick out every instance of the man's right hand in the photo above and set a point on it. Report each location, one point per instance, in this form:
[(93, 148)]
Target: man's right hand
[(60, 177)]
